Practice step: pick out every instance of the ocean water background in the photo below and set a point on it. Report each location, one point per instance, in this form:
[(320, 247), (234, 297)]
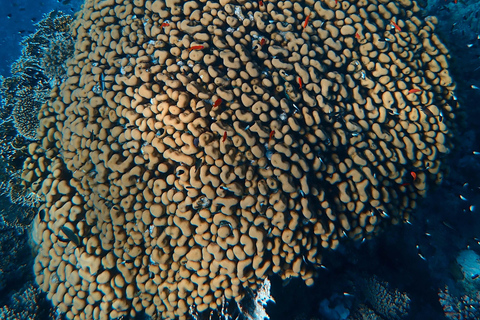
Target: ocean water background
[(419, 259)]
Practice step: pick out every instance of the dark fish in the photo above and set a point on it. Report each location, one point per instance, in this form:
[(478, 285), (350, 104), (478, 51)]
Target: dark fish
[(198, 164), (286, 281), (41, 214), (72, 236)]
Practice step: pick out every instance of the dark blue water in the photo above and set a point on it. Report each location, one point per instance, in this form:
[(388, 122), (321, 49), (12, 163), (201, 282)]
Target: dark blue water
[(17, 19), (417, 260)]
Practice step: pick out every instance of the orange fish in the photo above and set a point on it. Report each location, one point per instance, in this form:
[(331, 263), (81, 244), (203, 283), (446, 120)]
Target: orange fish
[(165, 24), (224, 136), (414, 90), (196, 48), (217, 102), (305, 23), (260, 3), (414, 175), (396, 26), (270, 136), (357, 36), (300, 83), (262, 42), (336, 1)]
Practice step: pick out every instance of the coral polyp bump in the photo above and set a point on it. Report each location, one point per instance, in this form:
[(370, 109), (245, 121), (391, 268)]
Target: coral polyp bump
[(333, 119)]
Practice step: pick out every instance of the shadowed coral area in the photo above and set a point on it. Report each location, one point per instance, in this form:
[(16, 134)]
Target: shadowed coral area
[(34, 73), (196, 148)]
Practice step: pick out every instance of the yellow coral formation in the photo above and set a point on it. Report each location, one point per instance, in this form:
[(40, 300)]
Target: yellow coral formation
[(180, 199)]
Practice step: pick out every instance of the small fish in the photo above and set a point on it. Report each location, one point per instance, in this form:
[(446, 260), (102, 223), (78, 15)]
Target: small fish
[(420, 253), (270, 136), (41, 214), (446, 224), (224, 136), (357, 35), (260, 3), (475, 87), (165, 24), (346, 294), (286, 282), (440, 116), (198, 164), (217, 102), (300, 83), (336, 1), (396, 25), (384, 213), (305, 23), (471, 208), (72, 236), (414, 90), (199, 47), (476, 276), (414, 175), (463, 198), (476, 153), (427, 112), (263, 41)]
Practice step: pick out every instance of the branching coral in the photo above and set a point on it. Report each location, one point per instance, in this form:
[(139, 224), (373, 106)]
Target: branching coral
[(390, 304), (463, 308), (40, 67)]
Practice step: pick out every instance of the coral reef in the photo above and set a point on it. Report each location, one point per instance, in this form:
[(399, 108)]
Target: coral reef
[(40, 67), (463, 308), (363, 312), (385, 302), (21, 95), (23, 305), (49, 46), (198, 147)]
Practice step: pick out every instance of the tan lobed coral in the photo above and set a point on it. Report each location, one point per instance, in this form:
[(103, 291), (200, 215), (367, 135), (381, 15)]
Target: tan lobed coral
[(198, 147)]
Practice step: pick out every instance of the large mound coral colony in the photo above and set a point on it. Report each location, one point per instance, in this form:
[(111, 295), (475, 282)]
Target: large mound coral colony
[(197, 147)]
